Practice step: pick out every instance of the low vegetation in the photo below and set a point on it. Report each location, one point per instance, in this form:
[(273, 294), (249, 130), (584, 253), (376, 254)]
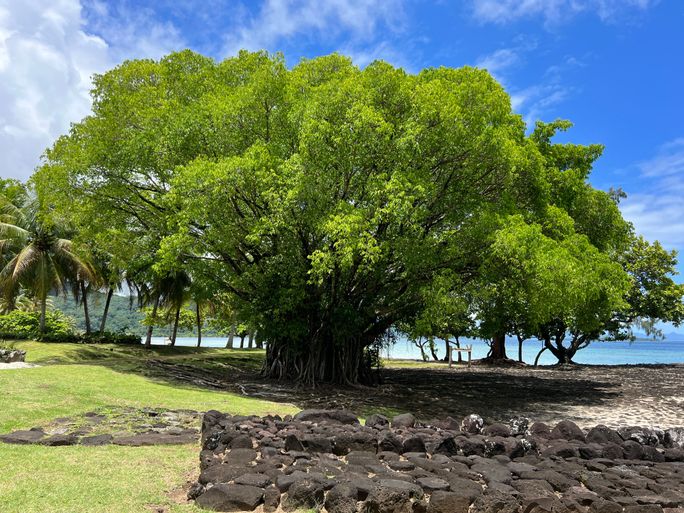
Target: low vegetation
[(74, 379)]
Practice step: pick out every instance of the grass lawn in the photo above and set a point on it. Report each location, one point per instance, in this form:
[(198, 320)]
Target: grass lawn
[(75, 379)]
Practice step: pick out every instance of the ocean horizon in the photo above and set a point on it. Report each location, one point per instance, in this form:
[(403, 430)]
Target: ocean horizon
[(598, 353)]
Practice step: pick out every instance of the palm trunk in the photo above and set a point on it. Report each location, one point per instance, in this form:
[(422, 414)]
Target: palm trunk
[(175, 327), (199, 326), (148, 339), (86, 312), (43, 306), (110, 293), (231, 336)]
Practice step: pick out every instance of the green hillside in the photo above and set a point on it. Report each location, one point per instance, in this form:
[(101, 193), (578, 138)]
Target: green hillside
[(124, 315)]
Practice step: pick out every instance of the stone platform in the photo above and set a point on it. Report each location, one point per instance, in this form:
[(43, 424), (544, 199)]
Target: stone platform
[(326, 460)]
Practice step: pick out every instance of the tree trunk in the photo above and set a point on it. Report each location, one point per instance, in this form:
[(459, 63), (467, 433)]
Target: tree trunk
[(320, 361), (242, 341), (421, 345), (175, 327), (536, 360), (446, 348), (110, 293), (458, 346), (86, 313), (148, 338), (564, 354), (498, 347), (231, 336), (250, 340), (199, 326), (43, 307), (432, 350), (258, 341), (520, 348)]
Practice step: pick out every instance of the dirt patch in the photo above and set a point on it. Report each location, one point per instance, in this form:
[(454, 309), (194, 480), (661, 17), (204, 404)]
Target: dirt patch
[(649, 395)]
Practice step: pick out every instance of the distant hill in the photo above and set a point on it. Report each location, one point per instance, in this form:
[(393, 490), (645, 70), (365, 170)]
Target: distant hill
[(673, 336), (123, 316)]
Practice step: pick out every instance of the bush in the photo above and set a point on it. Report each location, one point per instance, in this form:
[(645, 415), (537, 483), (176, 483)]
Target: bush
[(20, 324), (109, 337)]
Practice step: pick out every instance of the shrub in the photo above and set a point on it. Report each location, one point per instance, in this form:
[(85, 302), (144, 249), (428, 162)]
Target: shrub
[(20, 324), (109, 337)]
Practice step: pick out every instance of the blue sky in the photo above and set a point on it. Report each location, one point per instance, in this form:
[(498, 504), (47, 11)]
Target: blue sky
[(613, 67)]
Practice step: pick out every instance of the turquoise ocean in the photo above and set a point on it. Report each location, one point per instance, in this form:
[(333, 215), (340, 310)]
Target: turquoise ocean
[(598, 353)]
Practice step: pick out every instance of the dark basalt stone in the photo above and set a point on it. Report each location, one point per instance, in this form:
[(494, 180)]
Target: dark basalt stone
[(377, 421), (23, 437), (567, 430), (304, 493), (541, 430), (327, 416), (271, 499), (496, 430), (602, 434), (416, 468), (341, 498), (405, 420), (60, 440), (221, 473), (96, 440), (231, 497), (413, 444), (448, 502), (258, 480), (496, 502)]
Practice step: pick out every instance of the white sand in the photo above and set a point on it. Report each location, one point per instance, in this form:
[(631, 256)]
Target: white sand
[(16, 365)]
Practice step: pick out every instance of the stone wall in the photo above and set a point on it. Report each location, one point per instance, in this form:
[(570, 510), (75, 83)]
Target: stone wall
[(326, 460)]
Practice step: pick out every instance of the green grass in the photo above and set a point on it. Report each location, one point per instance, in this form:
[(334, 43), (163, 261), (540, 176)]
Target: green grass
[(74, 379), (36, 479)]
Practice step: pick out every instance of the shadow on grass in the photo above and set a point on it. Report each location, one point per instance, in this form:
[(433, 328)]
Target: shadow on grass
[(435, 392)]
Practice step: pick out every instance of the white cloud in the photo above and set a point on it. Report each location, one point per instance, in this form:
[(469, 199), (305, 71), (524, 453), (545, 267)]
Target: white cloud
[(668, 161), (132, 30), (46, 61), (499, 61), (279, 20), (533, 102), (656, 209), (554, 11)]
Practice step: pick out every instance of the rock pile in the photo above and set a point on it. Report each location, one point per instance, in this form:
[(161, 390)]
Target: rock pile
[(12, 355), (118, 426), (326, 460)]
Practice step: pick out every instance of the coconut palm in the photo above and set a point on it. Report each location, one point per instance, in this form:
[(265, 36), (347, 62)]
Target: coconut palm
[(170, 291), (38, 258)]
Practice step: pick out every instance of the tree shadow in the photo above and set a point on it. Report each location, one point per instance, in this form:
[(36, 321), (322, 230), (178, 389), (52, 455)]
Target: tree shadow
[(497, 394)]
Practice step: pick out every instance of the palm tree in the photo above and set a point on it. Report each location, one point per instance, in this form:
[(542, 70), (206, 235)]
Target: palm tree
[(109, 277), (37, 257), (169, 291)]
